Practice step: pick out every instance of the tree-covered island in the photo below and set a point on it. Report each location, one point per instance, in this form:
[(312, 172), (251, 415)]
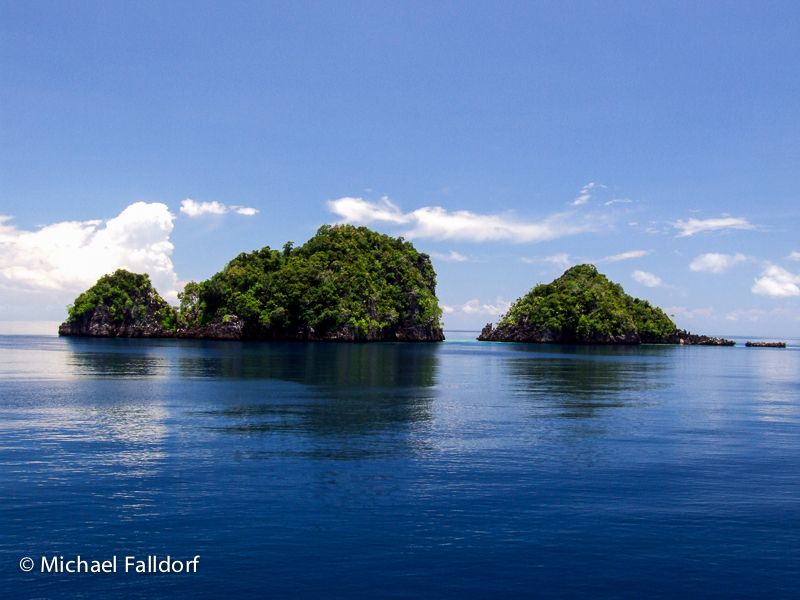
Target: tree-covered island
[(345, 284), (584, 307)]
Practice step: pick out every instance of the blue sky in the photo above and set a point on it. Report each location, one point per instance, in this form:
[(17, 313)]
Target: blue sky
[(507, 140)]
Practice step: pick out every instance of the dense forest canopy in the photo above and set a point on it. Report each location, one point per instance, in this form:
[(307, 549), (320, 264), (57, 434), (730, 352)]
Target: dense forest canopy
[(346, 283), (584, 304), (343, 277), (126, 296)]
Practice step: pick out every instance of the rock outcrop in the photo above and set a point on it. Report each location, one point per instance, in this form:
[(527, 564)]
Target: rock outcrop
[(121, 304), (523, 333), (765, 344)]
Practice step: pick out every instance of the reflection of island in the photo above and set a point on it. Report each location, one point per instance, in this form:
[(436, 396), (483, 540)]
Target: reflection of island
[(345, 284), (356, 401), (336, 397), (583, 307), (577, 387)]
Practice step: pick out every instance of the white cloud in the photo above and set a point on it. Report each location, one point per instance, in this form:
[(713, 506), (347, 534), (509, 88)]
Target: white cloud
[(716, 263), (625, 256), (560, 260), (358, 210), (196, 209), (72, 255), (647, 279), (437, 223), (452, 256), (693, 226), (585, 193), (244, 210), (753, 314), (682, 311), (777, 282), (794, 256), (619, 200), (474, 307)]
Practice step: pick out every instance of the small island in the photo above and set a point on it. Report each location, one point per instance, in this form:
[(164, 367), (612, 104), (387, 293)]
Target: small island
[(346, 284), (584, 307)]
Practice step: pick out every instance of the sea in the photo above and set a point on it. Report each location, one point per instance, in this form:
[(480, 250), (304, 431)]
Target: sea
[(463, 469)]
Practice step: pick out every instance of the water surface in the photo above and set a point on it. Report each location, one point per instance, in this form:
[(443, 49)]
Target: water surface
[(453, 470)]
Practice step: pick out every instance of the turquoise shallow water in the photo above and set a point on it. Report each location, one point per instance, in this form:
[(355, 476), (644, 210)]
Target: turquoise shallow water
[(453, 470)]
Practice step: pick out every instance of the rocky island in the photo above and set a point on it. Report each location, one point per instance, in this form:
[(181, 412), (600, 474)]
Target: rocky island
[(347, 284), (584, 307)]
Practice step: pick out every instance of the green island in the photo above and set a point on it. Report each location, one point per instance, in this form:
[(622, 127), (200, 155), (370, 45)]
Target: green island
[(352, 284), (344, 284), (584, 307)]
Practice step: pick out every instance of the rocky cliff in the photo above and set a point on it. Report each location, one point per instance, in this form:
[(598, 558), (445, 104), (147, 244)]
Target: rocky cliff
[(122, 304)]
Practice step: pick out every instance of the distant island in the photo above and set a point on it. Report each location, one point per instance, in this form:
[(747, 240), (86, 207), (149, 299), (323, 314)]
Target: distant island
[(584, 307), (346, 283)]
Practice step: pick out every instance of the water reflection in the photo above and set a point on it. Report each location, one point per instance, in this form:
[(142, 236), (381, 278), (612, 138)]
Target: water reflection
[(586, 383), (336, 365), (336, 401)]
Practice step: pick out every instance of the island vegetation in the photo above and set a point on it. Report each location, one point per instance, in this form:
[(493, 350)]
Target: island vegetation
[(583, 306), (345, 284)]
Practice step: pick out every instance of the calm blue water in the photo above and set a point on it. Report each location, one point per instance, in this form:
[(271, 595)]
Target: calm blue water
[(455, 470)]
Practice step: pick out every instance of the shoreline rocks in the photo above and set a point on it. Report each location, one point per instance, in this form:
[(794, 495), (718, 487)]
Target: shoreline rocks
[(765, 344), (522, 332)]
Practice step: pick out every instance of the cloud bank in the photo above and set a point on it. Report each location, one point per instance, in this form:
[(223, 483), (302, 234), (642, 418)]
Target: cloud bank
[(647, 279), (474, 307), (434, 222), (451, 256), (716, 263), (197, 209), (625, 256), (71, 256), (777, 282), (693, 226), (586, 193)]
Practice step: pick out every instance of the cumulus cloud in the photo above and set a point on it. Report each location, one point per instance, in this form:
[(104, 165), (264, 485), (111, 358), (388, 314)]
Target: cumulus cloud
[(618, 201), (625, 256), (692, 226), (474, 307), (777, 282), (585, 193), (682, 311), (435, 222), (753, 314), (647, 279), (716, 263), (794, 256), (451, 256), (72, 255), (560, 260), (196, 209), (244, 210)]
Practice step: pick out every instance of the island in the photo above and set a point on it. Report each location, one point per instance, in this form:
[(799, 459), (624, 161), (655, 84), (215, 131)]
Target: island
[(345, 284), (584, 307)]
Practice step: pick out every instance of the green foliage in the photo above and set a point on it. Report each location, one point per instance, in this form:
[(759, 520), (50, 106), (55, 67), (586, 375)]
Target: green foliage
[(343, 277), (127, 296), (583, 303)]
